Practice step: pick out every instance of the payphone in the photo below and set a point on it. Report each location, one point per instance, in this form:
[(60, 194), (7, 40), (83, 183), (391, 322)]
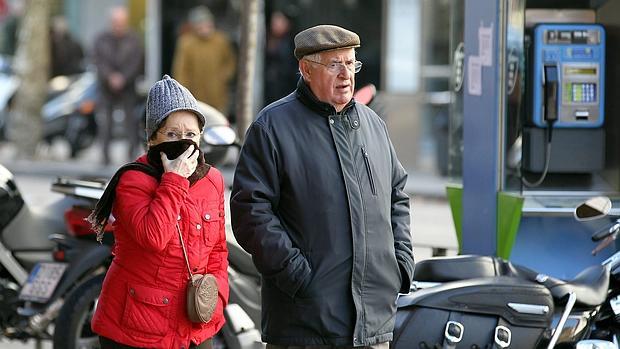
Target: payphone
[(568, 69), (566, 98)]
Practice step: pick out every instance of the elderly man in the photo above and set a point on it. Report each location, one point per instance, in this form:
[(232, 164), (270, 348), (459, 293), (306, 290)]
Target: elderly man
[(318, 201)]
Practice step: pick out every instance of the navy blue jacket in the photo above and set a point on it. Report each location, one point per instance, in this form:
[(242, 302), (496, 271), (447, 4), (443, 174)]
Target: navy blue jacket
[(318, 202)]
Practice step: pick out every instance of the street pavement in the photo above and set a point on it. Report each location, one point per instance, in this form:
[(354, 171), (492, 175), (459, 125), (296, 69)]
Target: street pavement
[(431, 220)]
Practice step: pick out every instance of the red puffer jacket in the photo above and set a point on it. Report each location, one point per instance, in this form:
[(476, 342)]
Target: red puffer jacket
[(142, 303)]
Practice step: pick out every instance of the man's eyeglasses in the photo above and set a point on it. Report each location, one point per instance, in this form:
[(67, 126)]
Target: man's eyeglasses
[(177, 136), (336, 67)]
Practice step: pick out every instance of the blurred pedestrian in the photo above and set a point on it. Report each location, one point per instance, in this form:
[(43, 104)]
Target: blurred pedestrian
[(66, 53), (169, 223), (118, 55), (318, 201), (204, 60), (9, 27), (280, 63)]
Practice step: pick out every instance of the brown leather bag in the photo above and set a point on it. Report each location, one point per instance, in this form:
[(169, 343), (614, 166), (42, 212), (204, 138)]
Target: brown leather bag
[(201, 292)]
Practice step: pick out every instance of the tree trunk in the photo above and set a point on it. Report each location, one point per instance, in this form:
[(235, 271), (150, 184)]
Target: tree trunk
[(247, 59), (31, 65)]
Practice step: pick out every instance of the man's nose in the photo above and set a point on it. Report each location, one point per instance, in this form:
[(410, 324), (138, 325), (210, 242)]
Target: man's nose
[(345, 72)]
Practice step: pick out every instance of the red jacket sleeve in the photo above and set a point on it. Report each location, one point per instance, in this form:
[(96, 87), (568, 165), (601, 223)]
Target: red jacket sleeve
[(148, 210)]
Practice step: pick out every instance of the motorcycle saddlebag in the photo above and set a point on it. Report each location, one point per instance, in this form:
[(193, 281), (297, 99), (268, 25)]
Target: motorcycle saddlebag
[(498, 312)]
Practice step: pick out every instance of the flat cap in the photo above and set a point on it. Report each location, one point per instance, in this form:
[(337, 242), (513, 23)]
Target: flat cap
[(324, 38)]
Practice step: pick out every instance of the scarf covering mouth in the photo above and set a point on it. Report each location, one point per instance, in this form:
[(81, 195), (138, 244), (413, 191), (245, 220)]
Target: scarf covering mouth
[(100, 215), (173, 150)]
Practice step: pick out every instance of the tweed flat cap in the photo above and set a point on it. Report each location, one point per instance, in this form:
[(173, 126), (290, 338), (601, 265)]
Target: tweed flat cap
[(324, 38), (165, 97)]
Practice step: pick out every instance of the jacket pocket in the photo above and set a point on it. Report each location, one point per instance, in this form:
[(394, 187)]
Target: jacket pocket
[(148, 312), (369, 171), (211, 220)]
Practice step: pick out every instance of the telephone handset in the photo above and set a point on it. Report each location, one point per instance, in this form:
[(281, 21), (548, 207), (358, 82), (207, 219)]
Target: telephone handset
[(550, 88)]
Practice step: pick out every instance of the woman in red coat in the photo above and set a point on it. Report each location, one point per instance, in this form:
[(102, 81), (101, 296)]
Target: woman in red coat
[(143, 300)]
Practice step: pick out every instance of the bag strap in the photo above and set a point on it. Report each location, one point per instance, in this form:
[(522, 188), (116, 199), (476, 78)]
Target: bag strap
[(189, 269)]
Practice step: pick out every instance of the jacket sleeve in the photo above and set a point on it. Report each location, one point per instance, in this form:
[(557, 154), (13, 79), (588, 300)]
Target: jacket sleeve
[(218, 261), (150, 216), (256, 225), (401, 223)]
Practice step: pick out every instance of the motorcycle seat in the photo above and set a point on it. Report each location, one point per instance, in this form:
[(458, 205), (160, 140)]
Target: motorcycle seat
[(453, 268), (590, 286)]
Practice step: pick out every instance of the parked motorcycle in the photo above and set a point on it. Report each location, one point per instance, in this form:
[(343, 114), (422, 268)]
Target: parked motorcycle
[(25, 249), (69, 113), (487, 302)]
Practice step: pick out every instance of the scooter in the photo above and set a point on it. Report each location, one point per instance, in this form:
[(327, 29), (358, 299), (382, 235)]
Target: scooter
[(487, 302)]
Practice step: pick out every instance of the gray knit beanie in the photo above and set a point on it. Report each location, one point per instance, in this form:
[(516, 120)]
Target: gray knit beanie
[(166, 96)]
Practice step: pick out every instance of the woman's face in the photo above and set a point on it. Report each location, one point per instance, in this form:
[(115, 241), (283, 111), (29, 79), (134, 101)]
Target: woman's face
[(178, 125)]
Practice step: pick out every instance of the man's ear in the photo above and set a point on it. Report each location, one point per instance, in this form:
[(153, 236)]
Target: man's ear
[(304, 68)]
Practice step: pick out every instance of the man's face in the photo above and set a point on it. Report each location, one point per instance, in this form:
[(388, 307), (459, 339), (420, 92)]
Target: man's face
[(119, 21), (328, 78)]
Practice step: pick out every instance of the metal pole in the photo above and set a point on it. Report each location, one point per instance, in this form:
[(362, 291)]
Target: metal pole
[(247, 66), (152, 42)]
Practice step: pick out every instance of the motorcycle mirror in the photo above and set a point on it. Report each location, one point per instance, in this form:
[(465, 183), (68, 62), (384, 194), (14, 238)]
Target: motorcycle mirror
[(219, 135), (593, 208)]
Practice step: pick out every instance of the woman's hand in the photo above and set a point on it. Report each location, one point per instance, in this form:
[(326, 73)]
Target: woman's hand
[(184, 165)]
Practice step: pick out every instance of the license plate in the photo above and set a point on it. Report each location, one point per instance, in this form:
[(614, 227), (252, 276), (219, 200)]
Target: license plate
[(42, 281)]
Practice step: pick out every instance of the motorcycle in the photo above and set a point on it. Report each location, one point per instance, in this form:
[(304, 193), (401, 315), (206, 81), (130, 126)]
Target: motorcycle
[(68, 111), (26, 313), (486, 302), (88, 261)]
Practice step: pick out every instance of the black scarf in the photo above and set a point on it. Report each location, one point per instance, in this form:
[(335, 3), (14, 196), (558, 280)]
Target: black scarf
[(100, 215)]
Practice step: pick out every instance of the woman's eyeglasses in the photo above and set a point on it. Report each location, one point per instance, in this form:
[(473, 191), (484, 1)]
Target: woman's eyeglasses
[(177, 135)]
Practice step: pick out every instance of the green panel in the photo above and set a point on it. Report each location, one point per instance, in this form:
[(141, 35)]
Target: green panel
[(509, 217), (455, 198), (509, 207)]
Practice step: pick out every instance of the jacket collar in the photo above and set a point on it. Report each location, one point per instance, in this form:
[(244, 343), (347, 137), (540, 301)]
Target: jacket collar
[(308, 98)]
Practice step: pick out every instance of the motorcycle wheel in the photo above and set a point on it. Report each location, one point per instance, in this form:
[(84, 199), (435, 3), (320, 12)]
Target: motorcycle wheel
[(72, 328)]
